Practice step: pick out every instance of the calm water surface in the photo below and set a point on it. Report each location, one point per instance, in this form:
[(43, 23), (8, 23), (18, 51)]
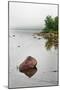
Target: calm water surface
[(23, 44)]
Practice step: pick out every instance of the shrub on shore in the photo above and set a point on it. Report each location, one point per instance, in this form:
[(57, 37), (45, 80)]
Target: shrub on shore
[(51, 24)]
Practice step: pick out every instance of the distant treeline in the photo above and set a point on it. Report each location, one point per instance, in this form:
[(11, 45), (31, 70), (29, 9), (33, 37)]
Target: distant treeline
[(51, 24)]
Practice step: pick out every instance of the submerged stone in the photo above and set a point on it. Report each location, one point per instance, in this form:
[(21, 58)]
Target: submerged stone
[(39, 38), (29, 63), (34, 37), (13, 35), (18, 46), (30, 72)]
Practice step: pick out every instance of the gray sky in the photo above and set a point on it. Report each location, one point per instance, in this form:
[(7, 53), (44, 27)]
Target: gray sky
[(29, 16)]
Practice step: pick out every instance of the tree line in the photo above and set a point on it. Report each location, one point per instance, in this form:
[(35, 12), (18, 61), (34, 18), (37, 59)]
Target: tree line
[(51, 24)]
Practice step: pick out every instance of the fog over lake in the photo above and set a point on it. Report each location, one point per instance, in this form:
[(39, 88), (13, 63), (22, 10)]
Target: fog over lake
[(29, 16)]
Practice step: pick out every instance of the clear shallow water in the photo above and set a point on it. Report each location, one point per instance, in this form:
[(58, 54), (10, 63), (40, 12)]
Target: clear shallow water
[(21, 45)]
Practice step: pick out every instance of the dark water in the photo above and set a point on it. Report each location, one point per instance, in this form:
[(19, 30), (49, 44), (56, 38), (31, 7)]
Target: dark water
[(23, 44)]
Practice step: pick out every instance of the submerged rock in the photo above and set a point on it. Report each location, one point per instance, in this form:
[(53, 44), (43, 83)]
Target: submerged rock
[(30, 72), (39, 38), (29, 63), (18, 46), (34, 37), (13, 35)]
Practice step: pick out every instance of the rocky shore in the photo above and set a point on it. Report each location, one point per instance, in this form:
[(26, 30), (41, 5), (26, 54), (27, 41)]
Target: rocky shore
[(51, 37)]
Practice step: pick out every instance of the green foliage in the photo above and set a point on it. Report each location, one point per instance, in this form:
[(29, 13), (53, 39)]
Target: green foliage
[(51, 24), (56, 23)]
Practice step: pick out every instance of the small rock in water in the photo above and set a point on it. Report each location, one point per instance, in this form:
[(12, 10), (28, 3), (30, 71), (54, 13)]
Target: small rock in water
[(55, 71), (34, 37), (39, 38), (28, 63), (13, 35), (18, 46)]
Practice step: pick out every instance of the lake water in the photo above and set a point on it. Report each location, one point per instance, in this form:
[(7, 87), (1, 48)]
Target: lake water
[(22, 44)]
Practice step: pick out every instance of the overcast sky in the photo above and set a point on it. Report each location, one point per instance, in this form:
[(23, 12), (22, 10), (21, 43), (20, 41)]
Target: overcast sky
[(28, 15)]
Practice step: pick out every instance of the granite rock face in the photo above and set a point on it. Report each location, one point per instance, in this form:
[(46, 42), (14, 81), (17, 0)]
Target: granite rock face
[(29, 63)]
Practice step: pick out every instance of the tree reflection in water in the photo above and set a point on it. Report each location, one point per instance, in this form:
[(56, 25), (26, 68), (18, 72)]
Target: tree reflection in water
[(51, 39)]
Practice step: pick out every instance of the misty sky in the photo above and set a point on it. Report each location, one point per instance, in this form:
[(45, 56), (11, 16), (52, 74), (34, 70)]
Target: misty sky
[(29, 16)]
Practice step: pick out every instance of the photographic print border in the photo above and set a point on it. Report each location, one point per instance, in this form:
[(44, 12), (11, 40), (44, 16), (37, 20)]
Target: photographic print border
[(58, 42)]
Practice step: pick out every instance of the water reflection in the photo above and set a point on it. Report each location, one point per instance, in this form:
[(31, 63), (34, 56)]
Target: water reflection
[(51, 39), (30, 72), (50, 43)]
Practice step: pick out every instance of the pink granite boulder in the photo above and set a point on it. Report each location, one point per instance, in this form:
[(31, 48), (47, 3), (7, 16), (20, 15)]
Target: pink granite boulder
[(28, 63)]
